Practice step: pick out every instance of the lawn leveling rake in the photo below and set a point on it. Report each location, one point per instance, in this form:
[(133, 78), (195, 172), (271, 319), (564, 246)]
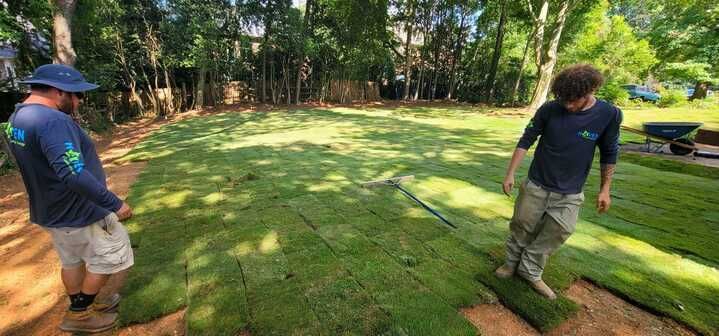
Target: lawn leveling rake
[(395, 182)]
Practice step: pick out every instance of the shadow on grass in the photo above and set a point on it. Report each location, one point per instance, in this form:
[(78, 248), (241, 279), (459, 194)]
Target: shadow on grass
[(301, 249)]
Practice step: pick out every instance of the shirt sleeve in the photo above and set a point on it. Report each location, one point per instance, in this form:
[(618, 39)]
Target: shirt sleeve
[(60, 144), (609, 140), (535, 128)]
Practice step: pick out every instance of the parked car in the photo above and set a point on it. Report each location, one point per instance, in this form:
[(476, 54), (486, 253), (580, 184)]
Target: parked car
[(690, 91), (641, 92)]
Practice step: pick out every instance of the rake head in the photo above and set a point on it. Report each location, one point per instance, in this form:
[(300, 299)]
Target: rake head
[(389, 181)]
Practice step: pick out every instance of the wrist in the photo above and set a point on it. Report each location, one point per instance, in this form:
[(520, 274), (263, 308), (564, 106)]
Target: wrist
[(117, 206)]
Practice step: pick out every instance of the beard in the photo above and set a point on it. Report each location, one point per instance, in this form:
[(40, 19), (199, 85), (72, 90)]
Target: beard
[(66, 105)]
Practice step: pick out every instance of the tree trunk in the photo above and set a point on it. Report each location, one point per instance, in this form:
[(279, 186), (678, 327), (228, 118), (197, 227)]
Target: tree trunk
[(408, 51), (168, 91), (273, 88), (539, 23), (264, 65), (521, 67), (211, 88), (547, 67), (700, 90), (422, 57), (419, 81), (132, 83), (301, 59), (433, 85), (62, 32), (287, 79), (200, 94), (150, 93), (457, 57), (489, 86)]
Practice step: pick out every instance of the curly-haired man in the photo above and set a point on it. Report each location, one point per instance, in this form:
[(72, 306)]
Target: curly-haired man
[(545, 213)]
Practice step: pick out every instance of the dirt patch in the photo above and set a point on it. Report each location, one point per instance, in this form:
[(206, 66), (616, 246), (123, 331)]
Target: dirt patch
[(496, 320), (601, 313)]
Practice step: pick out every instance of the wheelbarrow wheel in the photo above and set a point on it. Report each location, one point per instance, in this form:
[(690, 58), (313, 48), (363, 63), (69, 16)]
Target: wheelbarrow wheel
[(679, 150)]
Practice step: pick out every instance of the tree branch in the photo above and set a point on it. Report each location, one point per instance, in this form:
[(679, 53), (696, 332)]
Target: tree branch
[(389, 45), (531, 10)]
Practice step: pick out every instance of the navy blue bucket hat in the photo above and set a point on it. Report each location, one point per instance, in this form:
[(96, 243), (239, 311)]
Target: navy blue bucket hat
[(61, 77)]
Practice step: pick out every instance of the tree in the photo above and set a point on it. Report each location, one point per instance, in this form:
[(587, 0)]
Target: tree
[(62, 32), (609, 43), (464, 10), (409, 26), (684, 34), (697, 73), (301, 60), (546, 57), (515, 88), (22, 23), (489, 87)]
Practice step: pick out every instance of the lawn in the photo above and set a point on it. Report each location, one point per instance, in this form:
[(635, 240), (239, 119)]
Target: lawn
[(256, 221)]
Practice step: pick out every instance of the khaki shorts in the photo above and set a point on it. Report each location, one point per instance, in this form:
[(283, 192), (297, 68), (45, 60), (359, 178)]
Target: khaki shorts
[(104, 246)]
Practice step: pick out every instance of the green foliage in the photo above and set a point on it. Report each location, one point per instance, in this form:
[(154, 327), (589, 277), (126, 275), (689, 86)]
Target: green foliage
[(7, 166), (350, 38), (685, 30), (613, 92), (611, 45), (689, 71), (672, 97), (20, 21)]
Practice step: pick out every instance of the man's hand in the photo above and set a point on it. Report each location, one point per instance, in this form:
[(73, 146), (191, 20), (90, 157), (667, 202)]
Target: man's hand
[(508, 184), (124, 213), (603, 202)]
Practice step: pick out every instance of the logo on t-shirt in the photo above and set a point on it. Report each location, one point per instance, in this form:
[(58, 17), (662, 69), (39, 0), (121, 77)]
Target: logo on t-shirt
[(588, 135), (15, 135), (73, 159)]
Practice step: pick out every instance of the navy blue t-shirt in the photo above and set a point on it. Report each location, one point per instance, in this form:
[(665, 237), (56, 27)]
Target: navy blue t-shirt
[(567, 141), (61, 170)]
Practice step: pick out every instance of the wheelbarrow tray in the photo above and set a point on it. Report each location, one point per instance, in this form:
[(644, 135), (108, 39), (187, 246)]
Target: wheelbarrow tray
[(670, 130)]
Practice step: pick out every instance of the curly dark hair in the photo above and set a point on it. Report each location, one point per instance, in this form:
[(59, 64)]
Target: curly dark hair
[(576, 81)]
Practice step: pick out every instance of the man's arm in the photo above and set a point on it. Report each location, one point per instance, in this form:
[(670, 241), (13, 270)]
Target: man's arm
[(608, 152), (604, 199), (533, 130), (61, 147)]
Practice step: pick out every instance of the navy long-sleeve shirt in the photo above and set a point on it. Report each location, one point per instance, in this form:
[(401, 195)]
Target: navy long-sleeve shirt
[(567, 141), (62, 173)]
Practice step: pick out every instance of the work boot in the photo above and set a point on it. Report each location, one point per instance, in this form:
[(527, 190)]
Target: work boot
[(504, 272), (543, 289), (108, 305), (88, 321)]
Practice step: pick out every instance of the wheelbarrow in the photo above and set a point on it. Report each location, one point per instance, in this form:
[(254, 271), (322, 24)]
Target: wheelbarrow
[(676, 134)]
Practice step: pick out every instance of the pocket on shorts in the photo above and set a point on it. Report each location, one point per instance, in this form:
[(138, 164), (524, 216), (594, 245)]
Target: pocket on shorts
[(111, 242)]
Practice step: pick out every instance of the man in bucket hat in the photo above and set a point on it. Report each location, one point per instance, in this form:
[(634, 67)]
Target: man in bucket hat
[(69, 198)]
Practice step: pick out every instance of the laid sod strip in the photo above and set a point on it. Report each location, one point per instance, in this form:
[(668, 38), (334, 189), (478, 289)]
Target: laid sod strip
[(671, 165), (273, 203)]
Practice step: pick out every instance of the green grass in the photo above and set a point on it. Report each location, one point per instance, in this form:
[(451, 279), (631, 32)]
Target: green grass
[(257, 222)]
